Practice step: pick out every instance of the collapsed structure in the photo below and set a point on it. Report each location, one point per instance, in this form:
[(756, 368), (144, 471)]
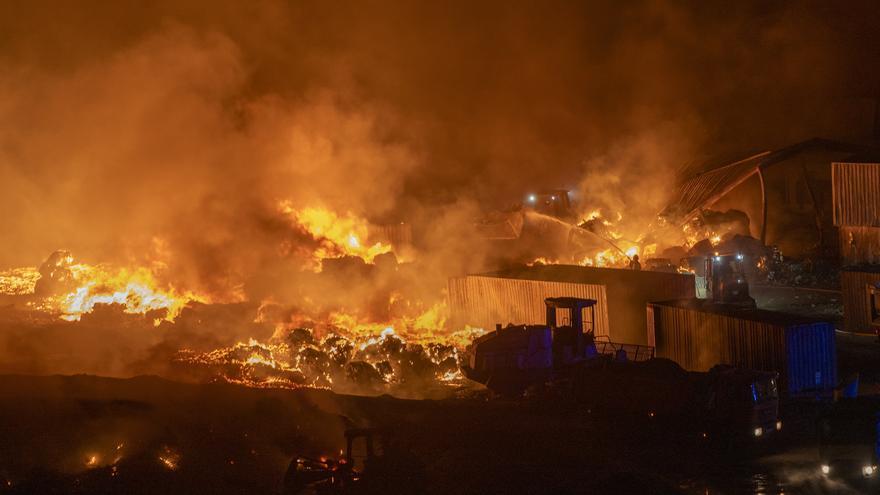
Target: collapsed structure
[(781, 197)]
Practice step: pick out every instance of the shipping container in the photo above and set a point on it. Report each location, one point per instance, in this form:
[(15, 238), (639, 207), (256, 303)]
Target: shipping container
[(856, 194), (517, 296), (699, 335), (861, 299)]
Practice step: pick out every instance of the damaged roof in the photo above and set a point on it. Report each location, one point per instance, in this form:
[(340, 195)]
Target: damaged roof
[(701, 189)]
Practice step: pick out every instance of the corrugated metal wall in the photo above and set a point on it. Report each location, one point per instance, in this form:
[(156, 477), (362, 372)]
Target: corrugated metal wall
[(859, 245), (811, 357), (856, 194), (856, 303), (396, 234), (699, 340), (482, 301)]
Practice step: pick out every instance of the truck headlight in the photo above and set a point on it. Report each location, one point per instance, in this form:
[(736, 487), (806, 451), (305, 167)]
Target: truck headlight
[(869, 470), (826, 469), (778, 425), (759, 431)]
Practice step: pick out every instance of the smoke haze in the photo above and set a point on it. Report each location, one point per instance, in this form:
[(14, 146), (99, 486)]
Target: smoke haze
[(167, 132)]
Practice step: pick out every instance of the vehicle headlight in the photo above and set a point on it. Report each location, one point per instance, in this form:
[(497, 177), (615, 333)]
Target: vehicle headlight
[(869, 470), (759, 431), (826, 469), (778, 425)]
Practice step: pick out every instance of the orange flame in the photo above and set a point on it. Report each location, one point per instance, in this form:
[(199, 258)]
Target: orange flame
[(337, 235)]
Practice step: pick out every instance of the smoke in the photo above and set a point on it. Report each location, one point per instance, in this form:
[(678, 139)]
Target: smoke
[(168, 133), (123, 124)]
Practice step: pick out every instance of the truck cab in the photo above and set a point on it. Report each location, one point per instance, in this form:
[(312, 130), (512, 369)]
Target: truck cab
[(848, 440), (745, 403)]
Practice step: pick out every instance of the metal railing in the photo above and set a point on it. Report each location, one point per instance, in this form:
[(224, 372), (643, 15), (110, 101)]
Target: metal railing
[(634, 352)]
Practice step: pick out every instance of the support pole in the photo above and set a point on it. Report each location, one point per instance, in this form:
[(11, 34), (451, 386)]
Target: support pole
[(763, 206)]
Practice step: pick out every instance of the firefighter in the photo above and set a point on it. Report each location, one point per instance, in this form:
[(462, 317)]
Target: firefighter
[(634, 263)]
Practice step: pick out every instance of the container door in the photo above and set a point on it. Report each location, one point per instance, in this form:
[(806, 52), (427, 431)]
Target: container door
[(811, 366)]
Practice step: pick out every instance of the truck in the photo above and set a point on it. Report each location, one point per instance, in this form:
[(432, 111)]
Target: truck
[(619, 378), (849, 438)]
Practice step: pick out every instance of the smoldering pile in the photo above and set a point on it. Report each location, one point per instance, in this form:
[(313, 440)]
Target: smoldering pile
[(301, 358)]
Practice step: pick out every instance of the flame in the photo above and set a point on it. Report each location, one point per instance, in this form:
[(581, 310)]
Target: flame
[(136, 289), (19, 281), (79, 287), (336, 235)]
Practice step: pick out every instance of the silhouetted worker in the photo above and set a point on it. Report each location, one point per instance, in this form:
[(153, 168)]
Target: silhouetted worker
[(634, 263)]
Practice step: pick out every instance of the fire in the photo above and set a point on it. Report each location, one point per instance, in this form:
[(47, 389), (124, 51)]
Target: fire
[(169, 458), (135, 289), (19, 281), (336, 235), (625, 240), (344, 351), (71, 289)]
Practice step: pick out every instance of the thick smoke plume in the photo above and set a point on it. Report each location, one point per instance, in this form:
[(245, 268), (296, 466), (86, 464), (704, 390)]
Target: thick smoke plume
[(166, 134)]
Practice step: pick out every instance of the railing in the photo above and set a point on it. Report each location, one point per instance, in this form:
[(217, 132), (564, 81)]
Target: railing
[(634, 352)]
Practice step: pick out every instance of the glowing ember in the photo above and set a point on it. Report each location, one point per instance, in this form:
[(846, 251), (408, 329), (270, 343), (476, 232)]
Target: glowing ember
[(351, 355), (169, 458)]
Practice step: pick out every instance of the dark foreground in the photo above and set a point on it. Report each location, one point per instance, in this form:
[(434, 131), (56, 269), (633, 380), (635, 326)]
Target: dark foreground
[(84, 434)]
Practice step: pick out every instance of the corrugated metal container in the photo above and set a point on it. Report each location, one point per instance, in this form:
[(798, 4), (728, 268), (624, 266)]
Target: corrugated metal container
[(855, 286), (698, 335), (859, 245), (396, 234), (517, 296), (483, 301), (856, 194)]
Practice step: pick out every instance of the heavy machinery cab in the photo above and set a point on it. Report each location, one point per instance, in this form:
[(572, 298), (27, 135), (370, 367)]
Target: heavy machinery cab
[(555, 203), (726, 280), (511, 358), (573, 337)]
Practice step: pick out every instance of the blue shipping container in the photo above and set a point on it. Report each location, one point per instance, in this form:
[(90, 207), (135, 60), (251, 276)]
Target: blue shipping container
[(698, 335)]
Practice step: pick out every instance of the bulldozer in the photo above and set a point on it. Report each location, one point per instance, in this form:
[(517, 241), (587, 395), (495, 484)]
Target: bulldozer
[(565, 355), (513, 358)]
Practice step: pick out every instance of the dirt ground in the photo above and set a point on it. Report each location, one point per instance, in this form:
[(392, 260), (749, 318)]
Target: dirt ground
[(84, 434)]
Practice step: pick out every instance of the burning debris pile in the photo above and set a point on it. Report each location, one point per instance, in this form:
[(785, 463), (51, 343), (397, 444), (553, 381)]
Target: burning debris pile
[(366, 365), (352, 323)]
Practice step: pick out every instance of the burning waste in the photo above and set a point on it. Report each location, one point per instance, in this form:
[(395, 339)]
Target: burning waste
[(322, 340)]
